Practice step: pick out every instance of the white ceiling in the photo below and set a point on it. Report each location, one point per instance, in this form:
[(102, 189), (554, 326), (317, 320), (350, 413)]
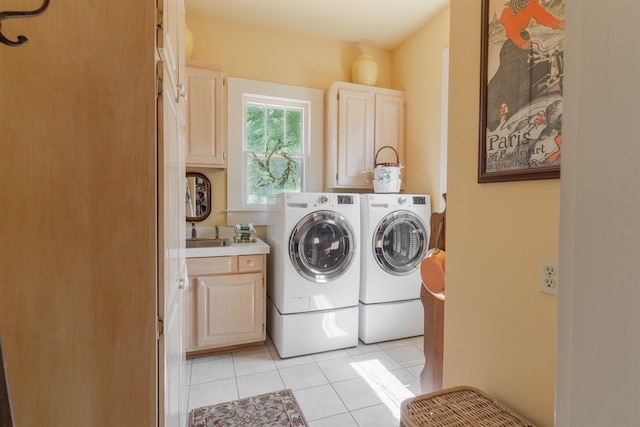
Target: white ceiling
[(379, 23)]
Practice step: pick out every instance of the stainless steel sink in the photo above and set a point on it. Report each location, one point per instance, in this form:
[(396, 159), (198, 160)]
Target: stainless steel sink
[(208, 243)]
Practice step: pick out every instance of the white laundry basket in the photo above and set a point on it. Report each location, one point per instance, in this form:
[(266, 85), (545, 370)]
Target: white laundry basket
[(386, 176)]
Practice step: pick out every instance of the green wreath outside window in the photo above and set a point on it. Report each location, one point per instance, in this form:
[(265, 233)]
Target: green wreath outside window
[(267, 177)]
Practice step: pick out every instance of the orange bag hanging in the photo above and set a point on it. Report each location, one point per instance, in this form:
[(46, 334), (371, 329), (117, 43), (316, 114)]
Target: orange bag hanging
[(433, 267)]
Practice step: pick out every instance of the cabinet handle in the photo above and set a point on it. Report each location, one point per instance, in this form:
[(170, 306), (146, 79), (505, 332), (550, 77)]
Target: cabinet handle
[(181, 92), (181, 283)]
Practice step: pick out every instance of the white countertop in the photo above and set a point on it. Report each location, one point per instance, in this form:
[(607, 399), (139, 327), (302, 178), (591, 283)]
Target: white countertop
[(259, 247)]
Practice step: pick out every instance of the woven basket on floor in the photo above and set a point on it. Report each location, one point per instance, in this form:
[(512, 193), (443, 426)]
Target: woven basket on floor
[(458, 407)]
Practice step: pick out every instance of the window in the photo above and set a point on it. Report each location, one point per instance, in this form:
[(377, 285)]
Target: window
[(274, 131), (274, 148)]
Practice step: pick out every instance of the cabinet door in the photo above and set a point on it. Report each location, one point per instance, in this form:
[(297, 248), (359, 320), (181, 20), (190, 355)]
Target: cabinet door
[(389, 127), (355, 138), (171, 153), (230, 309), (206, 118)]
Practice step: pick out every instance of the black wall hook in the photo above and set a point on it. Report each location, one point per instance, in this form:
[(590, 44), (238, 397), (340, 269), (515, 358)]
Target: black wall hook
[(11, 15)]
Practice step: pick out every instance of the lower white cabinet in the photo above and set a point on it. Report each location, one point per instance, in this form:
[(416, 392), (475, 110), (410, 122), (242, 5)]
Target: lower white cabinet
[(226, 302)]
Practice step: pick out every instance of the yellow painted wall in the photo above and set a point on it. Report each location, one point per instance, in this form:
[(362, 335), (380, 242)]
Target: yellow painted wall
[(500, 332), (417, 69), (257, 53)]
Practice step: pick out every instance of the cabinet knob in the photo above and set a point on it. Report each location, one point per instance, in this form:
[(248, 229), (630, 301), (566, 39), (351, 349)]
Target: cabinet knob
[(202, 284), (251, 263), (182, 284)]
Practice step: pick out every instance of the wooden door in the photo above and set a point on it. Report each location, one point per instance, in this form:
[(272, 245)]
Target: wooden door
[(78, 197)]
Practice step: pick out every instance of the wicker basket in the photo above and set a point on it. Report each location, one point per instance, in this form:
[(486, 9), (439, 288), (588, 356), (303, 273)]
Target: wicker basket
[(386, 175), (458, 407)]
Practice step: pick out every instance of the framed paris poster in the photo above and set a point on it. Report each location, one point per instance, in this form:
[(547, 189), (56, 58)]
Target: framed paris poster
[(522, 74)]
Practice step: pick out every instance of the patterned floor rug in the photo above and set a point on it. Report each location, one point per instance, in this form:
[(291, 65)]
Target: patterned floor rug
[(276, 409)]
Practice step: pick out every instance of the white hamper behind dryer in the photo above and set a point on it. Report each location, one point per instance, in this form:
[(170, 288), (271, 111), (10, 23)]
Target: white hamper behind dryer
[(314, 268)]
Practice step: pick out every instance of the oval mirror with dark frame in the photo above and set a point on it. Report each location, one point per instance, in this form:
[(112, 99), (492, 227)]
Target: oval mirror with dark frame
[(198, 196)]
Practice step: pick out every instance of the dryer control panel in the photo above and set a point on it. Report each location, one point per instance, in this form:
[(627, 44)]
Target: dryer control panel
[(419, 200)]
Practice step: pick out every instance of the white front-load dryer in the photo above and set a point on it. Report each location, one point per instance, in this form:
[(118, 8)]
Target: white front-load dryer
[(395, 238), (314, 272)]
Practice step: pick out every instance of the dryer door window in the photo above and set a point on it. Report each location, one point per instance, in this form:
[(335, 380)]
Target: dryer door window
[(400, 242), (322, 246)]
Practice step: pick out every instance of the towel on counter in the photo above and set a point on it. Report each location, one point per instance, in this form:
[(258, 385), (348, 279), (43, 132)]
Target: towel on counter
[(245, 233), (245, 227)]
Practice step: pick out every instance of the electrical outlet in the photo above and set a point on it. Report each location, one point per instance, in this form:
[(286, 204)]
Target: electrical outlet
[(548, 276)]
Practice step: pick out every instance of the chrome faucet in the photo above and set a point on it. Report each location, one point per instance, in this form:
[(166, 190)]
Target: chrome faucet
[(194, 231)]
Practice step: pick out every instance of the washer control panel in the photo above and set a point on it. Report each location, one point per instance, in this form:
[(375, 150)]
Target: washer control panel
[(345, 200)]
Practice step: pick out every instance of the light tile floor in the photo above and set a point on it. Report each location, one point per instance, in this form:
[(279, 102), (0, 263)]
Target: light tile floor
[(358, 386)]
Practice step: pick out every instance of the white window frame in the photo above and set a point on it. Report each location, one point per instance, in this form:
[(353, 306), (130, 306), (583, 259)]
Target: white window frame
[(241, 91)]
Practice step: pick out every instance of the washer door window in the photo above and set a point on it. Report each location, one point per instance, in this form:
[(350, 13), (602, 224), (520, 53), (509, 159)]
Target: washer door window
[(400, 243), (322, 246)]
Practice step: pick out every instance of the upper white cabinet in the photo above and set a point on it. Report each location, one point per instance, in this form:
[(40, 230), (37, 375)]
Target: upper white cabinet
[(359, 121), (206, 115)]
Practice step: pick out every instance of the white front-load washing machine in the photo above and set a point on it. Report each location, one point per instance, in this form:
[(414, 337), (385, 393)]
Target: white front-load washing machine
[(395, 239), (313, 272)]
